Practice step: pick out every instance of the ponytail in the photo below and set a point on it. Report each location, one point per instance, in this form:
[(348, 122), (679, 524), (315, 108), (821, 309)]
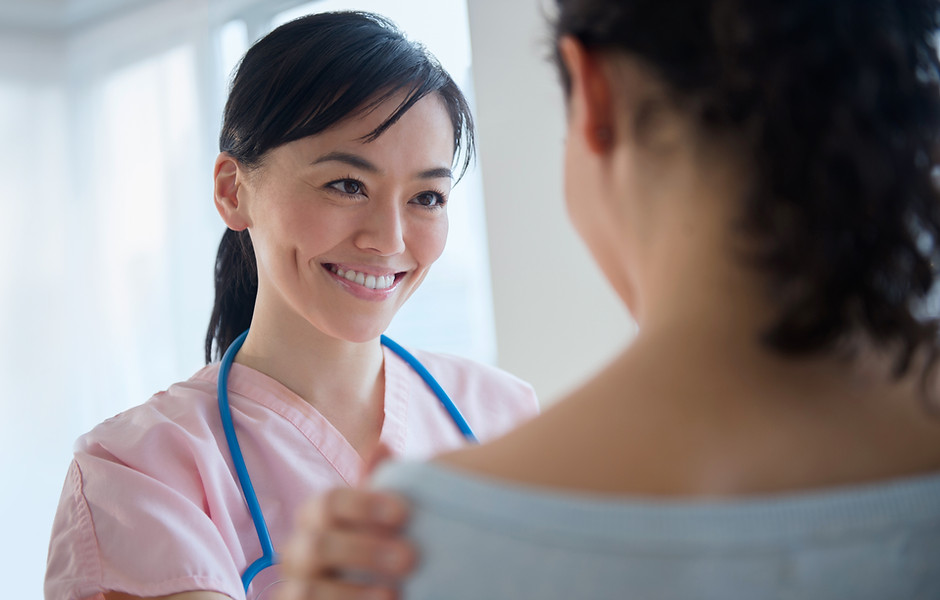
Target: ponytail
[(236, 285)]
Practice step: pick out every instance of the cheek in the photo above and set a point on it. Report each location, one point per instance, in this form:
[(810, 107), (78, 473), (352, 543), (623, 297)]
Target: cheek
[(310, 228), (428, 240)]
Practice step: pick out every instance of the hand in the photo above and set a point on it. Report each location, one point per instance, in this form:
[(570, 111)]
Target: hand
[(346, 531)]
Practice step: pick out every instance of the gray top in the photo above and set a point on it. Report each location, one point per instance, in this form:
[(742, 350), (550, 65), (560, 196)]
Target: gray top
[(485, 539)]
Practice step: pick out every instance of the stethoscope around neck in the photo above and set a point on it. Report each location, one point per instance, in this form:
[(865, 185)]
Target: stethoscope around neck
[(269, 556)]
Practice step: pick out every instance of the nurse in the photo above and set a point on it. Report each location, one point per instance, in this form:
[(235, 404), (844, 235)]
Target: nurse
[(338, 149)]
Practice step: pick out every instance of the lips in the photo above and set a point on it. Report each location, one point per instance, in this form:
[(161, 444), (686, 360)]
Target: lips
[(367, 280)]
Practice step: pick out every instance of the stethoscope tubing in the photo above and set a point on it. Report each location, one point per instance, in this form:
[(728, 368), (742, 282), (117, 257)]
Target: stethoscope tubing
[(269, 556), (432, 383)]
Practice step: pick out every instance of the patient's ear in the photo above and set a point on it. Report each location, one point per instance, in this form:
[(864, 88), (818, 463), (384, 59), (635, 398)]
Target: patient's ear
[(229, 176), (591, 104)]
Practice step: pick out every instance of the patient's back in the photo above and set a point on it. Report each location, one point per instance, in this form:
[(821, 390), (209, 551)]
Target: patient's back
[(485, 538)]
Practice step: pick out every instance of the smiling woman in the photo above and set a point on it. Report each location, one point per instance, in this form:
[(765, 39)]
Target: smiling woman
[(337, 148), (337, 201)]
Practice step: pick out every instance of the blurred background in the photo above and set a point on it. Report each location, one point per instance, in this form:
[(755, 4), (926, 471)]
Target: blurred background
[(109, 117)]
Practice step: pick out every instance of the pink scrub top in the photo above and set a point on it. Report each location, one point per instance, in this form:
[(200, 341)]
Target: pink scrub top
[(151, 505)]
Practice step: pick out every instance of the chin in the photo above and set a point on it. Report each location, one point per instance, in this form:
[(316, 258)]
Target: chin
[(361, 333)]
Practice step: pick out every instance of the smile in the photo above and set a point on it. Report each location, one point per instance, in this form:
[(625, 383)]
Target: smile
[(373, 282)]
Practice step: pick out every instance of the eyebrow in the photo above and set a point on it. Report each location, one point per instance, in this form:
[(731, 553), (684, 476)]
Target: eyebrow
[(441, 173), (361, 163)]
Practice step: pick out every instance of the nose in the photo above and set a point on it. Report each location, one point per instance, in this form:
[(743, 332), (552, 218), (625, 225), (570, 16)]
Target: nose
[(381, 229)]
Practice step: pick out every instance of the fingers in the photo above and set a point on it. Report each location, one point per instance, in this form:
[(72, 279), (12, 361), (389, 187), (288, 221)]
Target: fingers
[(296, 589), (349, 531), (329, 552), (355, 508)]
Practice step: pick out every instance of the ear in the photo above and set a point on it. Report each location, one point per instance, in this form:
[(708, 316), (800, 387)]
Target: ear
[(591, 103), (229, 178)]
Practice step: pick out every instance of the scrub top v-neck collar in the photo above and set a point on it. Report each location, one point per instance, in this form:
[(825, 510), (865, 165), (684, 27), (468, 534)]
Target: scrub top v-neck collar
[(249, 385)]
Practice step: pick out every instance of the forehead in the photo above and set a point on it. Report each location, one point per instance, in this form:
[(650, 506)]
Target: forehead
[(422, 138)]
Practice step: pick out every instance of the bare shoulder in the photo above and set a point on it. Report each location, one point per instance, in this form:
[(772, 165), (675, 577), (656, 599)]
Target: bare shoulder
[(633, 430), (197, 595), (537, 451)]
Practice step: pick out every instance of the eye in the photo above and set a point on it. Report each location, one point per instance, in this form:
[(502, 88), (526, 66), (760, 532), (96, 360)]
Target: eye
[(351, 187), (430, 199)]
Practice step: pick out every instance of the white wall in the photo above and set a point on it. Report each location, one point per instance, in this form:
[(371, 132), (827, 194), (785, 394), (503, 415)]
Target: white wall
[(557, 320)]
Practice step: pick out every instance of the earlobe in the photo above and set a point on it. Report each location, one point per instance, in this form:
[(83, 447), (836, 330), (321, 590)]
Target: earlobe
[(591, 102), (228, 175)]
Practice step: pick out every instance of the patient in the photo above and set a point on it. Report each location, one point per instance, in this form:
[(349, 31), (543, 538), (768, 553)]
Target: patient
[(754, 178)]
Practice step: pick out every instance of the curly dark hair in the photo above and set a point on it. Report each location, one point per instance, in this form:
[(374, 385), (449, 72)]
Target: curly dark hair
[(836, 104)]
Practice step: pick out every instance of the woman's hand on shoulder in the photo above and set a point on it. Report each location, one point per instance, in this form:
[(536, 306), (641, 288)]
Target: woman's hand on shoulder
[(201, 595), (347, 544)]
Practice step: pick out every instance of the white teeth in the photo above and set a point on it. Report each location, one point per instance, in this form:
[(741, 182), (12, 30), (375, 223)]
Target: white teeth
[(373, 282)]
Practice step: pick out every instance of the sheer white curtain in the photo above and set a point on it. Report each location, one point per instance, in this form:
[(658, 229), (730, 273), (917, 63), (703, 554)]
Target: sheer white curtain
[(108, 234), (37, 269)]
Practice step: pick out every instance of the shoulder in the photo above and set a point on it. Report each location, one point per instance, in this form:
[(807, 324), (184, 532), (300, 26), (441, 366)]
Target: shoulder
[(151, 473), (484, 390), (178, 418), (422, 482), (490, 399), (468, 373), (571, 540)]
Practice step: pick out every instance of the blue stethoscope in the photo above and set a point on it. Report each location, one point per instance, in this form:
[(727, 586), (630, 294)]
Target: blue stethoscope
[(269, 557)]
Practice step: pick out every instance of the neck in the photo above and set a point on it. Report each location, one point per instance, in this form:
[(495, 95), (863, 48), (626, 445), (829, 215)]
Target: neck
[(333, 375), (716, 297), (704, 308)]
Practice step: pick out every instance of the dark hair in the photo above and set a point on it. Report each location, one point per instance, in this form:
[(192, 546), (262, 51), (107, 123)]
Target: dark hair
[(835, 104), (297, 81)]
